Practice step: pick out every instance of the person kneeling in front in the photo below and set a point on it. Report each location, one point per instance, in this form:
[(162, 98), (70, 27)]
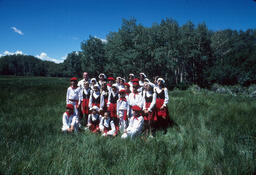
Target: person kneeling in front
[(135, 124), (107, 126), (69, 119)]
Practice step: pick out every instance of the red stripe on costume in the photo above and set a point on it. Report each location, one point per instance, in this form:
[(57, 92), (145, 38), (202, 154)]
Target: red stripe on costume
[(85, 106), (112, 109)]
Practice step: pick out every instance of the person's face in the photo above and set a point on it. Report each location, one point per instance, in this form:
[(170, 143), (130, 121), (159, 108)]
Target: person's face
[(146, 87), (135, 88), (101, 77), (121, 81), (118, 80), (93, 82), (86, 85), (134, 113), (114, 89), (159, 83), (94, 111), (73, 83), (111, 82), (122, 95), (126, 88), (69, 110), (105, 115), (141, 77), (95, 89), (85, 75), (130, 77)]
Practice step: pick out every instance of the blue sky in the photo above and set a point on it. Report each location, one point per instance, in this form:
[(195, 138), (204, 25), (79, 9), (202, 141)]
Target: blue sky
[(50, 29)]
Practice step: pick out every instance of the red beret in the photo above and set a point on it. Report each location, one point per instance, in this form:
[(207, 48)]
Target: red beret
[(111, 78), (122, 91), (136, 108), (73, 79), (127, 84), (135, 80), (70, 106)]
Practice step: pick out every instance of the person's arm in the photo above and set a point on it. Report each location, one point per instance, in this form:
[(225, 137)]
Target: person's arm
[(166, 97), (89, 120), (65, 126), (152, 103), (102, 102), (101, 126), (109, 94), (144, 101), (113, 129), (90, 101), (67, 96), (80, 96), (117, 107)]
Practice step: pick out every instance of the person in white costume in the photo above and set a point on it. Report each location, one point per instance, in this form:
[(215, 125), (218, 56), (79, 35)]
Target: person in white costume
[(107, 126), (74, 94), (85, 78), (69, 119), (122, 109), (135, 125)]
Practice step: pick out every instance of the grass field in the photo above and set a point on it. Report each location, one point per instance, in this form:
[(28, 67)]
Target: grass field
[(216, 134)]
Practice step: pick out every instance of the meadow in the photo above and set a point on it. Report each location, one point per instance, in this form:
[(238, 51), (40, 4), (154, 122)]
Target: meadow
[(215, 134)]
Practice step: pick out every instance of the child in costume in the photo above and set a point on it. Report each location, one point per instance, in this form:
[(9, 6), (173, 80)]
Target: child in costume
[(135, 125), (69, 119), (94, 120), (107, 126)]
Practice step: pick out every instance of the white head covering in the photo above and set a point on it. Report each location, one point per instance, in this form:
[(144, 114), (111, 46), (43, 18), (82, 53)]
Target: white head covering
[(95, 108), (143, 74), (102, 74), (161, 79)]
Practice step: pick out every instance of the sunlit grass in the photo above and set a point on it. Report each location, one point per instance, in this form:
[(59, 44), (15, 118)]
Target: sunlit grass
[(215, 134)]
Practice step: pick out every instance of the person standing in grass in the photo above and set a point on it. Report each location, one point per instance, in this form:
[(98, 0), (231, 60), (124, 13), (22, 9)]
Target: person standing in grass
[(149, 101), (112, 100), (135, 98), (135, 124), (85, 78), (95, 97), (122, 110), (94, 120), (162, 99), (73, 95), (102, 78), (111, 81), (104, 93), (69, 119), (107, 126), (86, 92)]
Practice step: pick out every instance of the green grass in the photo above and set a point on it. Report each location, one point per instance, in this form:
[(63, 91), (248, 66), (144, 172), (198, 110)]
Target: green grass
[(216, 134)]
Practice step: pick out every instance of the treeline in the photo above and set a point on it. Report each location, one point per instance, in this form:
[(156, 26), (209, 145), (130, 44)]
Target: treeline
[(183, 55)]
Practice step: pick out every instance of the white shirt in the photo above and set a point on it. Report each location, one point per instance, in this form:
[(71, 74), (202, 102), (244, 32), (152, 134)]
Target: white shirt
[(135, 99), (96, 95), (135, 124), (122, 105), (81, 82), (93, 118), (149, 94), (68, 121), (73, 94), (107, 123)]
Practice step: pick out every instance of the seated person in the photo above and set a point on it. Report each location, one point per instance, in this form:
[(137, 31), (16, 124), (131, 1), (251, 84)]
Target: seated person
[(94, 120), (107, 126), (135, 123), (69, 119)]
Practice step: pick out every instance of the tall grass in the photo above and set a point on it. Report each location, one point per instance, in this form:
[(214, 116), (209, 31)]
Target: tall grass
[(215, 134)]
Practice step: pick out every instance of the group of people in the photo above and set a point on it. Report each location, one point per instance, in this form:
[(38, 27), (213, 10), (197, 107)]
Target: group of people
[(111, 105)]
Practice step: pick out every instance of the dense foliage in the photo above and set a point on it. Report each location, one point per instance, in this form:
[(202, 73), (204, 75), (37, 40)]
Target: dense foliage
[(183, 55), (215, 135)]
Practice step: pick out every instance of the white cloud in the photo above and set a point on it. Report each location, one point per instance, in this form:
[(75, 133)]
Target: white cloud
[(43, 56), (102, 40), (12, 53), (17, 30)]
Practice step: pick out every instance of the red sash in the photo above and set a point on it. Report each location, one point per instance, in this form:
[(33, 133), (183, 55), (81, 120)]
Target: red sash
[(85, 107)]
